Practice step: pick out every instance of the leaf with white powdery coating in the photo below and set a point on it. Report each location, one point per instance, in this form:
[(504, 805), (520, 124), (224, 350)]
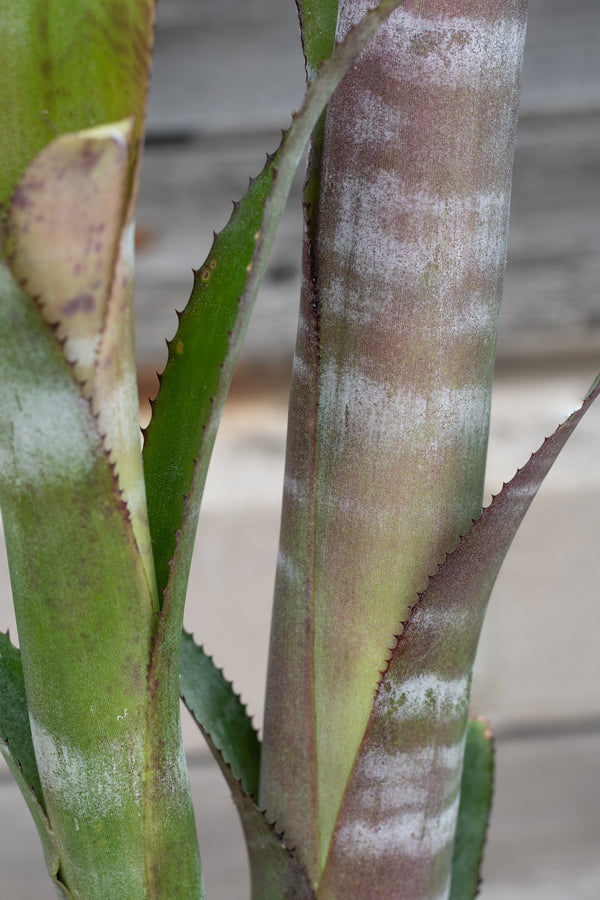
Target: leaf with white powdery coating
[(72, 428), (16, 746), (68, 243), (392, 378), (180, 436), (202, 355), (69, 246), (416, 732), (84, 614)]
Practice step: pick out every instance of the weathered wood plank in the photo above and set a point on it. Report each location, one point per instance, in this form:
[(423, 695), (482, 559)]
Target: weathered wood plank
[(224, 65), (227, 75)]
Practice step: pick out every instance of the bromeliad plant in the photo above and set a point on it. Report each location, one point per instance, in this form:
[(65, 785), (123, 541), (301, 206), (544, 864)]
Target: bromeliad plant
[(371, 782)]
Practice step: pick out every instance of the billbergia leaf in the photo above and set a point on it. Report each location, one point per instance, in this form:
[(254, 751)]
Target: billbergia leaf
[(476, 790), (16, 745), (220, 713), (84, 614), (203, 352), (401, 803), (69, 66), (74, 78), (402, 275), (275, 872)]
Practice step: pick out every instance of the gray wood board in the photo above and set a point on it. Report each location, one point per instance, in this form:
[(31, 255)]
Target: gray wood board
[(552, 287), (227, 75), (234, 65)]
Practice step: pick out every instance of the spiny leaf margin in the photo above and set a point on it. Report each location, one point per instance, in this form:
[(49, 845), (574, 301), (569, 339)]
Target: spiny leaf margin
[(220, 713), (318, 19), (419, 715), (178, 445), (274, 870)]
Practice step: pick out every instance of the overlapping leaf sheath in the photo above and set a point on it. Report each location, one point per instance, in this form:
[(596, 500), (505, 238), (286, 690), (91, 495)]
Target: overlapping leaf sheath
[(390, 401), (398, 816), (85, 618), (110, 761), (63, 63)]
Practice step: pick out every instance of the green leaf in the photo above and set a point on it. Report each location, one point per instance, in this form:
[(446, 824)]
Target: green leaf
[(84, 613), (178, 442), (40, 819), (220, 713), (64, 244), (274, 870), (16, 745), (415, 734), (69, 246), (318, 19), (202, 355), (69, 66), (476, 790), (167, 810), (15, 729), (72, 485), (233, 742), (66, 66)]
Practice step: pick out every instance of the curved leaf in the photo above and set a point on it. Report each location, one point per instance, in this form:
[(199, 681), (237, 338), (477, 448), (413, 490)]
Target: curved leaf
[(16, 745), (66, 66), (180, 436), (416, 732), (40, 819), (67, 244), (476, 790), (84, 614), (391, 387), (202, 355), (72, 488), (274, 870), (219, 713)]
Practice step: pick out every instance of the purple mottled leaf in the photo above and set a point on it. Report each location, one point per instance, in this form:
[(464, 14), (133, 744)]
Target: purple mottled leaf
[(398, 817)]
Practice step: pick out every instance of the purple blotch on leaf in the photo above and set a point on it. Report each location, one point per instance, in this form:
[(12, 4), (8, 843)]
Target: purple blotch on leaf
[(82, 303)]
